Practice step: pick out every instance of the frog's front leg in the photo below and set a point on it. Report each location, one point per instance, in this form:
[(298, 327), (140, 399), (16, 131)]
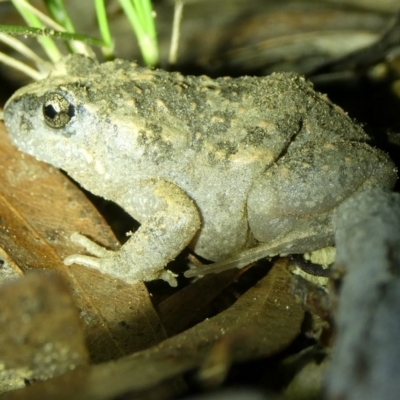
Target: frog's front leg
[(169, 220), (291, 204)]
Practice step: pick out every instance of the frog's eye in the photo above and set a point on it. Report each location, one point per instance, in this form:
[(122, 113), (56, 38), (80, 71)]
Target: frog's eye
[(57, 110)]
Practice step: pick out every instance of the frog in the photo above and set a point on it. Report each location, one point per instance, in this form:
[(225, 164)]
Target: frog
[(233, 168)]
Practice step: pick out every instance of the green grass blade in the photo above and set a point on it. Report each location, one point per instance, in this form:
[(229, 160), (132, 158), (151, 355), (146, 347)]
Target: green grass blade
[(59, 13), (21, 48), (32, 20), (176, 31), (149, 15), (138, 5), (147, 41), (39, 32), (108, 49), (146, 16), (46, 20), (20, 66)]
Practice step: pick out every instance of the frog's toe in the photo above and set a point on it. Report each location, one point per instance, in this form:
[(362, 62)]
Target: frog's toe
[(97, 257), (87, 261), (169, 277), (89, 245), (115, 264)]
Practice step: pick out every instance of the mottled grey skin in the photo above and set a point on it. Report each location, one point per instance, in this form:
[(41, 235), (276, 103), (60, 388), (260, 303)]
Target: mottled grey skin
[(220, 165)]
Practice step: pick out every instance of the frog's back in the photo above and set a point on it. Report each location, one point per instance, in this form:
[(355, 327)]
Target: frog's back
[(224, 119), (224, 124), (234, 118)]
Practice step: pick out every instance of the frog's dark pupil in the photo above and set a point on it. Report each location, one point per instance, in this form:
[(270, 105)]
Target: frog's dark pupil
[(50, 111), (57, 110)]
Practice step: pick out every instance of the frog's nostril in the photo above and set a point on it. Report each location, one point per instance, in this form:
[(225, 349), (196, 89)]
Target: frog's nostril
[(9, 111), (13, 111)]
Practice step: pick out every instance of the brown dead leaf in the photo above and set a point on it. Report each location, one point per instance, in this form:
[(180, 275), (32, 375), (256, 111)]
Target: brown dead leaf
[(41, 334), (191, 304), (39, 209), (264, 321)]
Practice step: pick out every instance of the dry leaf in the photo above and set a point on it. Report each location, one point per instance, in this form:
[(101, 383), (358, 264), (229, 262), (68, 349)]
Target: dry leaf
[(41, 334), (39, 209), (191, 304), (264, 321)]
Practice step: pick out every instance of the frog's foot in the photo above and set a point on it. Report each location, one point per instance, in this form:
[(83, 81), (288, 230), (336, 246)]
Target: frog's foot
[(239, 261), (108, 262), (99, 253), (169, 277), (249, 256), (90, 246)]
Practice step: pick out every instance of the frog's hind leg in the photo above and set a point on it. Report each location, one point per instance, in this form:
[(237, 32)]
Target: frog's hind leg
[(292, 203)]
